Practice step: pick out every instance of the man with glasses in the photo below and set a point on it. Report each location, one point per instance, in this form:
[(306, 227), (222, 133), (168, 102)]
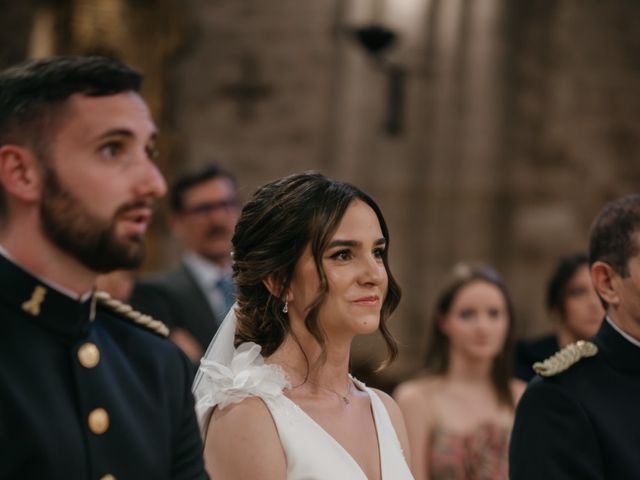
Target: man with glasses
[(194, 297)]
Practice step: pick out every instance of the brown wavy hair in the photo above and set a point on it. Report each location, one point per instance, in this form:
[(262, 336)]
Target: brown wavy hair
[(275, 226), (437, 358)]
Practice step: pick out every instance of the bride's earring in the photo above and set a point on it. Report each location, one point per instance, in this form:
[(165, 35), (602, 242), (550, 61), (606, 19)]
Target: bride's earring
[(285, 307)]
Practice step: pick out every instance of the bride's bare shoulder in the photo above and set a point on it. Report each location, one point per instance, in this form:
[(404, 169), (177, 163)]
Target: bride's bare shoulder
[(250, 407), (246, 426)]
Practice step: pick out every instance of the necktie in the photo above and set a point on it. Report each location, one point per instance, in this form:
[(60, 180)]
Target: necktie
[(227, 289)]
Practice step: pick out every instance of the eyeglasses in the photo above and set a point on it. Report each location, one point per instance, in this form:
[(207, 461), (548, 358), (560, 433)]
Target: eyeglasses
[(207, 208)]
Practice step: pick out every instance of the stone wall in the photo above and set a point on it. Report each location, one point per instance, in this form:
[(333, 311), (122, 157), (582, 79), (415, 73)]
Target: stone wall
[(519, 120), (575, 106)]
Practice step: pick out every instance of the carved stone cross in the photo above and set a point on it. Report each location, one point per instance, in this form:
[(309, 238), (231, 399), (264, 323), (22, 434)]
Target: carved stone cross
[(249, 89)]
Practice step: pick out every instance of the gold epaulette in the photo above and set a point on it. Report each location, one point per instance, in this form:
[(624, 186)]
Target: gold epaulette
[(562, 360), (128, 312)]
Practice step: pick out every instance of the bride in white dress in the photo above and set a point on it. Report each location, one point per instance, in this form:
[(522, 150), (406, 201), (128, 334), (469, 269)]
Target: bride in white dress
[(274, 396)]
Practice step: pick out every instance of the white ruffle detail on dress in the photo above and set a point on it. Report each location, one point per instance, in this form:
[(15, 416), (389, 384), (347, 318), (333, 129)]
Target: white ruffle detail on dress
[(246, 376)]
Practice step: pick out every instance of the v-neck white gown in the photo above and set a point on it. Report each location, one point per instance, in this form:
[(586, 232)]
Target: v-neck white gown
[(312, 454)]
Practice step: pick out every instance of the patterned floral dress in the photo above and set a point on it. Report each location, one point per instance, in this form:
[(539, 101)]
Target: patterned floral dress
[(481, 454)]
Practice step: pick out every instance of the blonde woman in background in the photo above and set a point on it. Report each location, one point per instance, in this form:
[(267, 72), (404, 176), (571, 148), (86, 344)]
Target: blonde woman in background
[(459, 415)]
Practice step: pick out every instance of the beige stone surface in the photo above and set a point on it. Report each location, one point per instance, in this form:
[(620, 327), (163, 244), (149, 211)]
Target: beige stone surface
[(520, 120)]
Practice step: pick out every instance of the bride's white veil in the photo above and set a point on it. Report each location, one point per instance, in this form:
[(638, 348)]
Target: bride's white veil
[(220, 350), (228, 374)]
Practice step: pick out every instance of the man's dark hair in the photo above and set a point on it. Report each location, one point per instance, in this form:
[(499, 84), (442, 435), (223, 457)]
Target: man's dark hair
[(33, 95), (560, 278), (612, 238), (31, 92), (192, 178)]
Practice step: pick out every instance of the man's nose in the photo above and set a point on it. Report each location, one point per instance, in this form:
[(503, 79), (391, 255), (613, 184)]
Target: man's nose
[(151, 184)]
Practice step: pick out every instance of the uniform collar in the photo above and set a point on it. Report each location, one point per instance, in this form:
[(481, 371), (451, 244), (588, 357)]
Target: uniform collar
[(622, 332), (41, 302), (617, 350), (54, 285)]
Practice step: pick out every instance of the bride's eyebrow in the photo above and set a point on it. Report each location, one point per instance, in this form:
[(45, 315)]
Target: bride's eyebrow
[(344, 243), (354, 243)]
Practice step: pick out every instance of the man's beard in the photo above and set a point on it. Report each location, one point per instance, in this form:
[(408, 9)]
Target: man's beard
[(91, 241)]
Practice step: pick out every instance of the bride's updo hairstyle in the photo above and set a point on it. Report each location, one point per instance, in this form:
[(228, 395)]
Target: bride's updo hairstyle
[(274, 228)]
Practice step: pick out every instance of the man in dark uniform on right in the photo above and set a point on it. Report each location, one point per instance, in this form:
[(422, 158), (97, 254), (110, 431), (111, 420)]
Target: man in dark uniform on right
[(579, 419)]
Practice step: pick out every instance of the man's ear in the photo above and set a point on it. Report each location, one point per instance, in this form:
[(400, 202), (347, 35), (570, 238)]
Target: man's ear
[(20, 173), (605, 280)]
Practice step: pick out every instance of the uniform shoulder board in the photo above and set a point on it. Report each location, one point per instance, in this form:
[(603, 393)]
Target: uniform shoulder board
[(129, 313), (562, 360)]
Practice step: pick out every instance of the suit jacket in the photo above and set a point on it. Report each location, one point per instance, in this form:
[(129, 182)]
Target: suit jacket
[(86, 393), (175, 298), (583, 423)]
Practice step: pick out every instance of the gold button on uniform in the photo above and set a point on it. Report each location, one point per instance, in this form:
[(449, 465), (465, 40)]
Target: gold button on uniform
[(108, 476), (88, 355), (99, 421)]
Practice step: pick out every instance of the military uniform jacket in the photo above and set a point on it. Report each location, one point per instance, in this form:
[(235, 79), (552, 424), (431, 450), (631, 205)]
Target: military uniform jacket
[(87, 394), (583, 423)]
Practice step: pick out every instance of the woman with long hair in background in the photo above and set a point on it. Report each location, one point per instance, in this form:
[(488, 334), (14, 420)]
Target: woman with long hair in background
[(460, 413)]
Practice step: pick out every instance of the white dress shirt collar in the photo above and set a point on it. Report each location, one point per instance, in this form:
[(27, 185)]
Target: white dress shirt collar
[(206, 272), (207, 275), (624, 334)]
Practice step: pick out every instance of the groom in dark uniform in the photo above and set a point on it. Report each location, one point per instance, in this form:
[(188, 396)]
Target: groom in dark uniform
[(89, 388), (579, 419)]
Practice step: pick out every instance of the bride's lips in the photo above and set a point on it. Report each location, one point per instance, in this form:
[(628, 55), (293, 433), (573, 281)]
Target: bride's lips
[(370, 300)]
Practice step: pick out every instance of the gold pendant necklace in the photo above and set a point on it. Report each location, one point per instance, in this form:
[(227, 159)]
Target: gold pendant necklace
[(343, 397)]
